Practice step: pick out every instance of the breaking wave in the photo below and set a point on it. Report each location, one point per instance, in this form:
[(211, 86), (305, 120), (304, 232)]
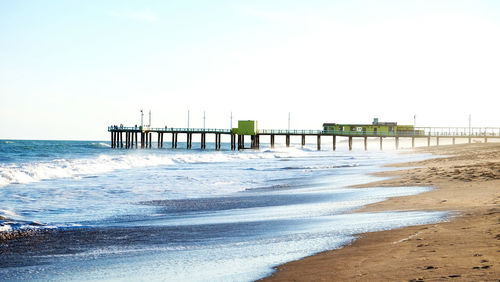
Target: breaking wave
[(27, 172)]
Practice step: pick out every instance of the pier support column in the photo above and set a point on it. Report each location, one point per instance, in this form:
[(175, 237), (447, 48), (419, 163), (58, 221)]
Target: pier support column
[(174, 140), (121, 139), (272, 141), (136, 140), (233, 142), (288, 140), (112, 141), (218, 141), (127, 140), (150, 139), (303, 141), (470, 140), (189, 140), (437, 141), (453, 140), (366, 143), (350, 143), (381, 138), (202, 139), (334, 142), (428, 141), (413, 142), (142, 140), (241, 142), (254, 142), (485, 139), (318, 141), (397, 143)]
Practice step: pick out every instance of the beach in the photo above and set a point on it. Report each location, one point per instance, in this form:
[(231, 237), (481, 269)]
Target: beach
[(466, 179), (77, 210)]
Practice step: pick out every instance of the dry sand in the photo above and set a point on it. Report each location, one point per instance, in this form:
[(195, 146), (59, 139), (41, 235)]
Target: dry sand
[(467, 248)]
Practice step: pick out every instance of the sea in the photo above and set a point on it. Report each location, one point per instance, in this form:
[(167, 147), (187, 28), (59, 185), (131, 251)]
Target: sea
[(185, 215)]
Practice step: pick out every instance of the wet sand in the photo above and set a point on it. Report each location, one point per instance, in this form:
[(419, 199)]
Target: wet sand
[(466, 248)]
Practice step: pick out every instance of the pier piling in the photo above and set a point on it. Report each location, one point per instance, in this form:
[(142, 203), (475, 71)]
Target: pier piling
[(203, 144), (233, 142)]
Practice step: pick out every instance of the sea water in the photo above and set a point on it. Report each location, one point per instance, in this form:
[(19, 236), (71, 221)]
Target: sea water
[(163, 214)]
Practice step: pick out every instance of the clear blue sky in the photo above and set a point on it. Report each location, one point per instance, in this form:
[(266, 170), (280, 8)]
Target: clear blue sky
[(70, 68)]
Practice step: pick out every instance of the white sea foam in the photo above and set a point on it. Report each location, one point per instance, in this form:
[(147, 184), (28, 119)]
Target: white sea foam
[(21, 173)]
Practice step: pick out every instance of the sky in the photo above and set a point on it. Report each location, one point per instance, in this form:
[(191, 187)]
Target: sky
[(68, 69)]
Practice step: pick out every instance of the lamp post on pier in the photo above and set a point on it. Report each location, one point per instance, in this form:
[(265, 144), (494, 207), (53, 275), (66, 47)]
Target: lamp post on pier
[(288, 121), (142, 119)]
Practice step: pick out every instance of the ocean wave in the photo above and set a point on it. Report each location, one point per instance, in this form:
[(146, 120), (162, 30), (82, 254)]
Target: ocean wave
[(22, 173), (318, 167)]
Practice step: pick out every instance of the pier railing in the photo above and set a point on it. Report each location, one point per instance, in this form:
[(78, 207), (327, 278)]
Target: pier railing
[(460, 131), (417, 132), (168, 129), (293, 132)]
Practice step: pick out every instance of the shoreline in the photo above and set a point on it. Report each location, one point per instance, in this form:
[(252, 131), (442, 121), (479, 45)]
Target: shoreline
[(466, 182)]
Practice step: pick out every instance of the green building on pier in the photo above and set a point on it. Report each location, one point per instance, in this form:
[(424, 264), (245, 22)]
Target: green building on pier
[(376, 128)]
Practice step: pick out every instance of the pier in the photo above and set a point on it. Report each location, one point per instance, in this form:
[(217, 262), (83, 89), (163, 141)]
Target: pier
[(141, 137)]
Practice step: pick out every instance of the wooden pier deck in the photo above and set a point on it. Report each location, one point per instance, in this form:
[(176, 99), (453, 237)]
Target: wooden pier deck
[(135, 137)]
